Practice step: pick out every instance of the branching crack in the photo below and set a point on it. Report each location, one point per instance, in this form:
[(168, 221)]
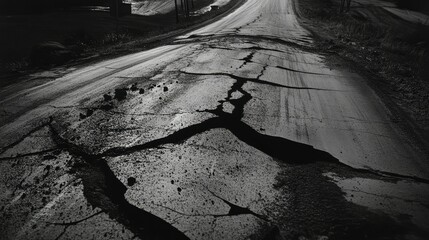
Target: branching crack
[(247, 59), (270, 145), (255, 80), (304, 72), (286, 68), (28, 154), (103, 190), (265, 49), (62, 232), (249, 48), (262, 72), (235, 210), (386, 196), (389, 174), (151, 113), (41, 126), (76, 222), (235, 35)]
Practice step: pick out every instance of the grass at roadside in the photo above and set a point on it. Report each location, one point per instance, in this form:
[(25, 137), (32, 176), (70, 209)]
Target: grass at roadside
[(391, 52)]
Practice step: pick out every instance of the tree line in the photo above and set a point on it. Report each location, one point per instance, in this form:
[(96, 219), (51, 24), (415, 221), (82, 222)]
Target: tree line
[(23, 6), (184, 9)]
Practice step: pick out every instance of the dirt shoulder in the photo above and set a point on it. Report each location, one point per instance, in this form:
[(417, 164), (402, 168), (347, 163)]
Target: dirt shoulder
[(390, 52)]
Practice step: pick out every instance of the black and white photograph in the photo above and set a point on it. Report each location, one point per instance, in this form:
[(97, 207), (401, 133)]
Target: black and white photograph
[(214, 119)]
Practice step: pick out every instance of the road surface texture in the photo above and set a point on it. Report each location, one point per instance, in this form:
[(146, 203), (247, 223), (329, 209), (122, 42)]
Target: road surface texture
[(238, 130)]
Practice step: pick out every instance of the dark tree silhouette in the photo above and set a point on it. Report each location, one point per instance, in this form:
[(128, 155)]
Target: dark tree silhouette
[(177, 11), (184, 9), (345, 4)]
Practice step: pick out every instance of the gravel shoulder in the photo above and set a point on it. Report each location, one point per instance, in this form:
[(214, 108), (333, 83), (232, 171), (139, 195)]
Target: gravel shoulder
[(390, 52)]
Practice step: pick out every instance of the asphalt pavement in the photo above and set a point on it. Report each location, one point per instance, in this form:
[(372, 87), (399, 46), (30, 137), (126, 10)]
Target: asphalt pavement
[(237, 130)]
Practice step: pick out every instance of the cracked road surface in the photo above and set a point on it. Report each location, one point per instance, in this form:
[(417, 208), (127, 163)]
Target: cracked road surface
[(238, 130)]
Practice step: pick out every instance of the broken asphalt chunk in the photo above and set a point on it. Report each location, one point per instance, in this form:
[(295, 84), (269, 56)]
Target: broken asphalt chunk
[(131, 181), (107, 97), (120, 94)]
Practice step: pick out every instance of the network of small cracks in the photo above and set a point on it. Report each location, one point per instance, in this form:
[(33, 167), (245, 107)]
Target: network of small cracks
[(238, 29), (69, 224), (143, 223), (234, 210), (255, 48), (106, 184), (249, 59), (256, 80), (236, 114), (211, 37), (104, 190), (100, 183)]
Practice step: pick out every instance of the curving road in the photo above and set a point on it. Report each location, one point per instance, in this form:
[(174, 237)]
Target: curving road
[(238, 130)]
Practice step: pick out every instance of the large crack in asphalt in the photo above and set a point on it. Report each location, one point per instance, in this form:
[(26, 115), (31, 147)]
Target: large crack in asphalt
[(278, 148), (304, 72), (37, 153), (234, 209), (104, 190), (37, 128), (257, 80), (247, 59), (256, 48), (270, 145), (261, 49), (198, 38)]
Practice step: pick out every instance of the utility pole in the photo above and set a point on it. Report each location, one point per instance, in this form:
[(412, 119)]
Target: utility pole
[(185, 12), (177, 11), (187, 8), (117, 15)]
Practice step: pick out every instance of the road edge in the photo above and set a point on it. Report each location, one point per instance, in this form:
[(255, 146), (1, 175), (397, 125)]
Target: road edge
[(405, 126)]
